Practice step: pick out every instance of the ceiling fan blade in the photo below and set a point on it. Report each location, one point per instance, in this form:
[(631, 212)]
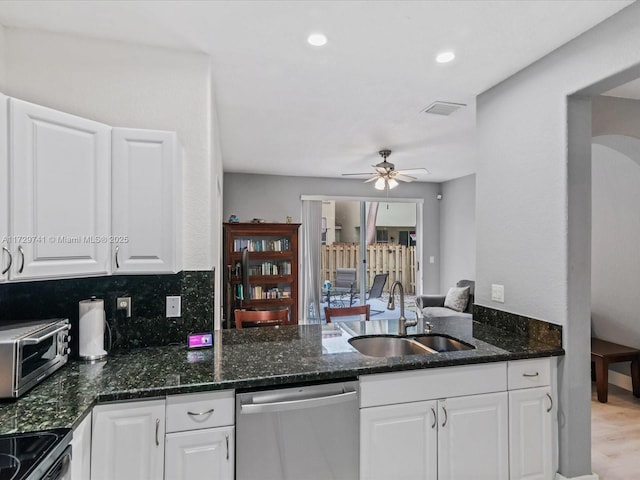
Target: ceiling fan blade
[(404, 178), (360, 174), (373, 179), (417, 170)]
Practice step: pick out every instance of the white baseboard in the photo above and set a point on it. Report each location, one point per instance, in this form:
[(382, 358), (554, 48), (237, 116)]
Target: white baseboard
[(593, 476), (620, 380)]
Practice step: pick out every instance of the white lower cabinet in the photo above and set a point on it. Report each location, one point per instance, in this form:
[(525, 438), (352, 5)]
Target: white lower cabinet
[(531, 421), (128, 441), (204, 453), (81, 450), (399, 442), (473, 440), (200, 437), (458, 423), (458, 438)]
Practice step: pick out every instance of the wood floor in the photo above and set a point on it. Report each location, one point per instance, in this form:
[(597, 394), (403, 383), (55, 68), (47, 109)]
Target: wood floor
[(615, 435)]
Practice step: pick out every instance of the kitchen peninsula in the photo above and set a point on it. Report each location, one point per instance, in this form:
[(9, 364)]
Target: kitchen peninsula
[(260, 358)]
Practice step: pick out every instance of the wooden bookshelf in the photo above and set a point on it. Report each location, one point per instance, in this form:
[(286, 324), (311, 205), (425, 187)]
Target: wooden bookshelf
[(272, 268)]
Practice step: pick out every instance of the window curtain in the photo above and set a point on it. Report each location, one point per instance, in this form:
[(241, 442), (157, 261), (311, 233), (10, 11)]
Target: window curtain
[(311, 242), (371, 222)]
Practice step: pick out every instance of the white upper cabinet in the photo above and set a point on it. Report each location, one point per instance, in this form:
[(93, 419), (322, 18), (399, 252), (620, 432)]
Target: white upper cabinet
[(60, 181), (145, 201), (5, 254)]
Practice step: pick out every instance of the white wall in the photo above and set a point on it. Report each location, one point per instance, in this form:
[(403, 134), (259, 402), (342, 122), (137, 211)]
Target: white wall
[(131, 86), (533, 203), (274, 197), (615, 263), (615, 225), (457, 231), (3, 59)]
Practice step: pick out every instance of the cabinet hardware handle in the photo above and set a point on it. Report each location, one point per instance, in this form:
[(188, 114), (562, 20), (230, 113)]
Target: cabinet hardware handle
[(550, 403), (530, 374), (5, 249), (435, 421), (226, 437), (117, 250), (157, 430), (201, 413), (21, 258), (445, 416)]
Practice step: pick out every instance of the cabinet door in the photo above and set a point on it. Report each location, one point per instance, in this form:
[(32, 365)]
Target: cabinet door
[(81, 450), (530, 423), (146, 194), (5, 254), (204, 453), (473, 437), (399, 442), (60, 187), (128, 441)]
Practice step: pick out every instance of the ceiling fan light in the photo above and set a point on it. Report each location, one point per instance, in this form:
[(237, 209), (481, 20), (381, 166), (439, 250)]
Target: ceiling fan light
[(393, 183), (380, 184)]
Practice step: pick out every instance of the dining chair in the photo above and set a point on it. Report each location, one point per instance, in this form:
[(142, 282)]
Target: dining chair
[(347, 312), (260, 318)]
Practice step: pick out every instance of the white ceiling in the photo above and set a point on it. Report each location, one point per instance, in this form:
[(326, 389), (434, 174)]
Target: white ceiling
[(285, 107)]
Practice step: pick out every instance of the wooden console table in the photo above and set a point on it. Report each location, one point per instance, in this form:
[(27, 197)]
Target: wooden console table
[(602, 354)]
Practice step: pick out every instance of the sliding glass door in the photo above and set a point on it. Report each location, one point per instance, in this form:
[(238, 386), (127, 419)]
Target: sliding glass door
[(373, 243)]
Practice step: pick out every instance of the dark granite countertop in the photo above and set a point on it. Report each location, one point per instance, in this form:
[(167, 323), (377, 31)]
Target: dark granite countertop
[(247, 358)]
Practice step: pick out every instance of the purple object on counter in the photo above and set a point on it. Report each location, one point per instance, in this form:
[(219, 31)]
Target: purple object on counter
[(200, 340)]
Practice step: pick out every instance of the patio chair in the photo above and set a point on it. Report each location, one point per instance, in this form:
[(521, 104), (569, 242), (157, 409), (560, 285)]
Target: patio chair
[(377, 288), (346, 282)]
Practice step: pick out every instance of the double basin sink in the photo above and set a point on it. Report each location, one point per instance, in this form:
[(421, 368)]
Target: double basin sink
[(396, 346)]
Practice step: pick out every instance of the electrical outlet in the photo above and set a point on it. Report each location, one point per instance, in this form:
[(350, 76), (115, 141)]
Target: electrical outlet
[(173, 306), (124, 304), (497, 293)]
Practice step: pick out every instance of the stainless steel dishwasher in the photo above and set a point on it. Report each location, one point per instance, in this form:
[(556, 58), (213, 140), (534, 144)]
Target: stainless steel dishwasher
[(300, 433)]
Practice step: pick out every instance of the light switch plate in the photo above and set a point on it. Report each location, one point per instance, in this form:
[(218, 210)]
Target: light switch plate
[(497, 293), (173, 306)]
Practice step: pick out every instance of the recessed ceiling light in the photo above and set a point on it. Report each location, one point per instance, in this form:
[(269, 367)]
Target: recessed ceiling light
[(317, 39), (445, 57)]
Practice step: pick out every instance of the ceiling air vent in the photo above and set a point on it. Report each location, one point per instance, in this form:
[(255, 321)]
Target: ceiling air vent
[(443, 108)]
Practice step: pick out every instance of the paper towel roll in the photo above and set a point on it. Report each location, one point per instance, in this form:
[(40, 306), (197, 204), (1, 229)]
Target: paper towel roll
[(92, 319)]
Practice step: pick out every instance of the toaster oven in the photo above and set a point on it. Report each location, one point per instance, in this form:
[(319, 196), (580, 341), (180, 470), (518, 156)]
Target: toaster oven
[(31, 351)]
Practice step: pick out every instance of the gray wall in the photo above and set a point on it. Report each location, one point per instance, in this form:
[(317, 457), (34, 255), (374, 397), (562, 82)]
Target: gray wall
[(533, 212), (273, 197), (457, 231)]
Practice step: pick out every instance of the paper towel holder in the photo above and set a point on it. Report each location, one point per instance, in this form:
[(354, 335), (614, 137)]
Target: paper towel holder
[(91, 327)]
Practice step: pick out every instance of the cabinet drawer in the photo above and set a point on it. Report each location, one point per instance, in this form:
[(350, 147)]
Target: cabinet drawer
[(529, 373), (194, 411)]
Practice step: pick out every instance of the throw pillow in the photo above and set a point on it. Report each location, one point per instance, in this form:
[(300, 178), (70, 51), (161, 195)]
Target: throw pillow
[(457, 298)]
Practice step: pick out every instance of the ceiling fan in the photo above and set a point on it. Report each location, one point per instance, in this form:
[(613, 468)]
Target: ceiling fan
[(386, 176)]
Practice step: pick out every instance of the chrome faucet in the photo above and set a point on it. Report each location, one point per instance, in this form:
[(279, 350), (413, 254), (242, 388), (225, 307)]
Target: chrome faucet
[(403, 323)]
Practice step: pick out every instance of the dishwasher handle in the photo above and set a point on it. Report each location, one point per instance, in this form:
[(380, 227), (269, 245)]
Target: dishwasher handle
[(286, 405)]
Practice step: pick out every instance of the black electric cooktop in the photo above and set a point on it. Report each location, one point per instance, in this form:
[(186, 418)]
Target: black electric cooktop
[(21, 454)]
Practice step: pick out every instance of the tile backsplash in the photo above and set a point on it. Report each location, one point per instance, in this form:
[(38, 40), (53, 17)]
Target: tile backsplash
[(147, 326), (532, 328)]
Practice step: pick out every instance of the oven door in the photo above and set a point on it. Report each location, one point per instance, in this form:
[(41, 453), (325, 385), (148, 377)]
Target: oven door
[(39, 355), (61, 469)]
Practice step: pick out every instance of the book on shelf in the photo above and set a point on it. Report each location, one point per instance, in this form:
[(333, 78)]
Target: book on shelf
[(261, 245)]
